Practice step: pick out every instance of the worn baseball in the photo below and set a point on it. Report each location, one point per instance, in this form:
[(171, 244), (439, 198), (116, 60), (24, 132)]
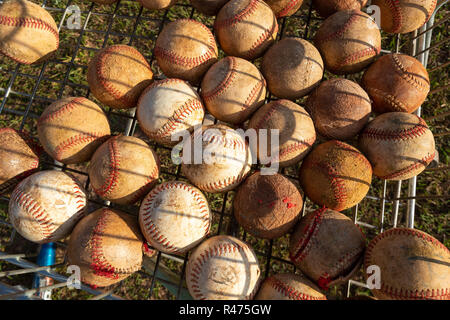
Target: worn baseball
[(412, 264), (292, 68), (123, 169), (267, 206), (157, 4), (208, 7), (403, 16), (107, 247), (289, 286), (284, 8), (225, 158), (28, 33), (335, 175), (296, 133), (398, 145), (174, 217), (19, 157), (185, 49), (340, 108), (117, 75), (349, 41), (327, 246), (327, 7), (233, 89), (223, 268), (167, 108), (45, 206), (71, 129), (396, 82), (246, 28)]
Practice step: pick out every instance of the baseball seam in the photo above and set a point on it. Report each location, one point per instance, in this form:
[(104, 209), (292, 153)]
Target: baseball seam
[(287, 8), (269, 113), (394, 6), (288, 291), (251, 53), (407, 76), (221, 141), (148, 184), (238, 17), (391, 100), (114, 168), (425, 161), (224, 84), (379, 134), (367, 52), (63, 109), (340, 32), (76, 140), (337, 184), (221, 184), (295, 147), (253, 94), (149, 224)]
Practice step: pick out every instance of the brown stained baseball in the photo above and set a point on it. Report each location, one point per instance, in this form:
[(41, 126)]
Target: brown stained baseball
[(339, 108), (117, 75), (45, 206), (28, 33), (233, 88), (157, 4), (185, 49), (224, 162), (19, 157), (413, 265), (403, 16), (107, 247), (208, 7), (289, 286), (327, 246), (396, 83), (326, 8), (398, 145), (267, 206), (123, 169), (175, 217), (292, 68), (348, 41), (246, 28), (223, 268), (335, 175), (167, 108), (71, 129), (296, 133), (284, 8)]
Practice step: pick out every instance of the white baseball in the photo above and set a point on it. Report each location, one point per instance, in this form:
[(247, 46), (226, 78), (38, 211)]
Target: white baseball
[(226, 158), (168, 107), (174, 217), (46, 206), (223, 268)]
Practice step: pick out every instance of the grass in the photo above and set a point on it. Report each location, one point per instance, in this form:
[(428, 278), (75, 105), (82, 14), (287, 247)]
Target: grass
[(65, 75)]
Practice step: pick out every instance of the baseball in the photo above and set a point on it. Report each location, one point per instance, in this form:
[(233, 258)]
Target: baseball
[(226, 158), (327, 7), (340, 108), (349, 41), (19, 157), (296, 132), (167, 108), (208, 7), (71, 129), (28, 33), (289, 286), (45, 206), (335, 175), (233, 89), (396, 82), (157, 4), (403, 16), (398, 145), (174, 217), (292, 68), (223, 268), (185, 49), (284, 8), (327, 246), (246, 28), (413, 265), (123, 169), (267, 206), (107, 246), (117, 75)]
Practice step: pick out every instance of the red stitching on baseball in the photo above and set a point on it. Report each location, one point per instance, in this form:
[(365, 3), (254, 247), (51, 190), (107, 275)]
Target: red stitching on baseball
[(240, 16), (372, 51), (76, 140), (114, 168), (396, 104), (287, 8), (289, 291), (407, 76), (431, 10), (425, 161), (343, 29), (253, 94), (295, 147), (210, 136), (269, 113), (63, 109), (404, 134), (394, 6), (224, 84), (262, 39), (148, 184)]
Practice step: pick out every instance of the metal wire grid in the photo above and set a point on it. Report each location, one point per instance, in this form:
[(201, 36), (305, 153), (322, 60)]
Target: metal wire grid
[(420, 48)]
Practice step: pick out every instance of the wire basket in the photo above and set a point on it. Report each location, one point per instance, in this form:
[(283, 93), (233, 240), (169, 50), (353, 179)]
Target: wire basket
[(26, 90)]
